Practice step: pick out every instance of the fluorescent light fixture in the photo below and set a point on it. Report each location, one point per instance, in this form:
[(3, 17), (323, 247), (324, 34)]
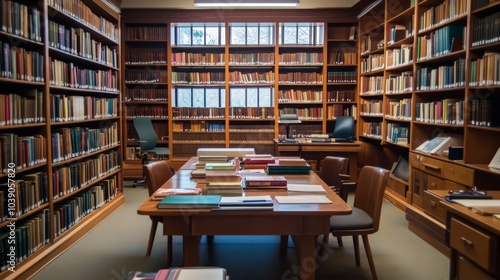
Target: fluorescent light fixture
[(246, 3)]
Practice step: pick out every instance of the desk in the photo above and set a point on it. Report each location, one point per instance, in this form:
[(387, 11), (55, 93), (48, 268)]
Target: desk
[(304, 222), (474, 241), (318, 151)]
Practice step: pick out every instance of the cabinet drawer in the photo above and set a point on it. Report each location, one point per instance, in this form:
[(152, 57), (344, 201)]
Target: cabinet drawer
[(467, 271), (472, 243), (459, 174), (449, 185), (433, 207), (414, 160), (431, 166)]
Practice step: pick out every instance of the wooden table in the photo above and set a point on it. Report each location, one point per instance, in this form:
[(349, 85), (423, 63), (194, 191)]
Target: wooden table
[(304, 222), (318, 151)]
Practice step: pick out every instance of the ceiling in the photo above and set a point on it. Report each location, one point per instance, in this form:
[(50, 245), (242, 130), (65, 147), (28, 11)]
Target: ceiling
[(188, 4)]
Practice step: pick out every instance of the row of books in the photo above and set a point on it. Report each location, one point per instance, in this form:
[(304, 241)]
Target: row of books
[(251, 113), (304, 113), (67, 179), (20, 64), (197, 113), (131, 153), (372, 85), (337, 110), (152, 33), (197, 126), (372, 129), (72, 210), (343, 58), (371, 107), (478, 4), (22, 151), (64, 74), (237, 77), (79, 42), (29, 236), (399, 31), (373, 62), (146, 76), (397, 133), (300, 95), (399, 83), (442, 77), (21, 20), (78, 141), (482, 112), (340, 95), (22, 108), (25, 194), (446, 11), (251, 58), (446, 111), (441, 42), (399, 109), (342, 76), (300, 78), (65, 108), (485, 71), (369, 43), (146, 94), (82, 13), (145, 56), (485, 30), (153, 112), (201, 59), (300, 58), (198, 78), (399, 57)]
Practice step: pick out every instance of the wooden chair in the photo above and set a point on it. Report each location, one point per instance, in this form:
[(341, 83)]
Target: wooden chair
[(334, 173), (157, 173), (365, 216)]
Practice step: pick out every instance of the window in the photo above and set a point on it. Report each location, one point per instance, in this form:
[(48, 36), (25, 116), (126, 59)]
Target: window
[(198, 34), (199, 97), (252, 97), (301, 33), (251, 33)]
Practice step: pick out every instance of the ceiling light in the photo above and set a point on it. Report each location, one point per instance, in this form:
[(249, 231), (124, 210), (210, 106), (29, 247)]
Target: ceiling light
[(246, 3)]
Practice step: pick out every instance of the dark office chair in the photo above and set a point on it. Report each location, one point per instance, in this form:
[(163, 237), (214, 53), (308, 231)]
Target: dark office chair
[(157, 173), (365, 216), (147, 142)]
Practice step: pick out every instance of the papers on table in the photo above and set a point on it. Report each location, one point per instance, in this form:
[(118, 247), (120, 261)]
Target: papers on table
[(303, 188), (300, 199), (477, 202), (262, 202)]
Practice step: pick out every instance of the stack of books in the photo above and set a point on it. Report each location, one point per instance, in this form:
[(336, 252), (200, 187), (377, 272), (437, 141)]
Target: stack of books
[(257, 161), (199, 172), (289, 166), (223, 179), (264, 182)]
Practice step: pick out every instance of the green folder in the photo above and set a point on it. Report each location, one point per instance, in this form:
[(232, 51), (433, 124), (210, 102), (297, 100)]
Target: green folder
[(189, 201)]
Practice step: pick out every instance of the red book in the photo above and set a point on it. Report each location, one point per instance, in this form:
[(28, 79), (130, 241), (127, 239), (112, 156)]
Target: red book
[(258, 181)]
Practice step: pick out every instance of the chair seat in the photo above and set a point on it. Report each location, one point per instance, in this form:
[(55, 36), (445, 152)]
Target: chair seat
[(358, 219)]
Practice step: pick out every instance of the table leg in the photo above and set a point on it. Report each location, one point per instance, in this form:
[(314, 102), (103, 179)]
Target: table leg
[(305, 245), (353, 166), (191, 250)]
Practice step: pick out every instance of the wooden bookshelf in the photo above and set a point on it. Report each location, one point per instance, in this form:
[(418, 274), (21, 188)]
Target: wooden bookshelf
[(63, 173)]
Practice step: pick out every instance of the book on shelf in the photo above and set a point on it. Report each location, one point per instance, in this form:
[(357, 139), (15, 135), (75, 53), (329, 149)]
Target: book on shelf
[(161, 193), (352, 33), (265, 181), (495, 161), (435, 145), (189, 202)]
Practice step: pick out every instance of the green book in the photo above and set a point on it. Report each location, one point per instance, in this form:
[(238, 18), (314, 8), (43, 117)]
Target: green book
[(189, 201)]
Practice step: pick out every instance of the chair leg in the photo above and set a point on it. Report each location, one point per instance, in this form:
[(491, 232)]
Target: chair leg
[(152, 233), (355, 242), (283, 244), (169, 249), (369, 256), (339, 241)]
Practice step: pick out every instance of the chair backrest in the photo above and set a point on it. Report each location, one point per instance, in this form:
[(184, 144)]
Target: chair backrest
[(146, 132), (331, 167), (157, 173), (370, 192)]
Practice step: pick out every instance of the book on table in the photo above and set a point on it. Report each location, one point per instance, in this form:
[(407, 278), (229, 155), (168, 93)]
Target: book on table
[(161, 193), (261, 202), (189, 202), (301, 189), (265, 182)]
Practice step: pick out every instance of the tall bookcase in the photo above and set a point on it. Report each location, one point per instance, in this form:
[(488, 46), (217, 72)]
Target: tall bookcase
[(60, 127), (228, 87), (438, 79)]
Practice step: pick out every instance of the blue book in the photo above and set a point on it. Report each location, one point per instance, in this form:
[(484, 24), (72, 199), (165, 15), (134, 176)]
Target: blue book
[(189, 201)]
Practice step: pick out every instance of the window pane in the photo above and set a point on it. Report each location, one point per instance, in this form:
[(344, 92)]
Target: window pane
[(238, 35), (213, 97), (198, 35), (252, 35), (198, 97), (289, 35), (237, 97), (184, 35), (252, 100), (265, 97), (183, 97), (266, 35), (212, 36), (304, 35)]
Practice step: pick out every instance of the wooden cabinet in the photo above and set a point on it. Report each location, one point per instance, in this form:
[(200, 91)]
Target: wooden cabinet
[(60, 128)]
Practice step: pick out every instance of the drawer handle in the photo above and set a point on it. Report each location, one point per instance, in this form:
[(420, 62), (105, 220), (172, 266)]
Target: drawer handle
[(430, 166), (433, 204), (466, 242)]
